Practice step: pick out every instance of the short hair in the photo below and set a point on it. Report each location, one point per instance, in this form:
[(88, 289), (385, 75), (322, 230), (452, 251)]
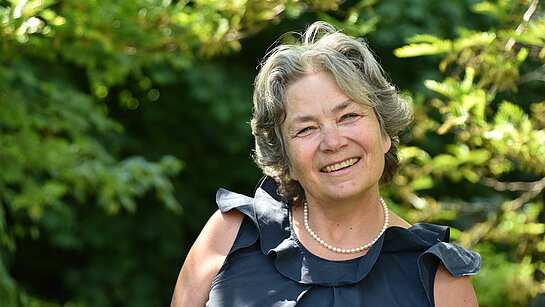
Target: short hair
[(357, 73)]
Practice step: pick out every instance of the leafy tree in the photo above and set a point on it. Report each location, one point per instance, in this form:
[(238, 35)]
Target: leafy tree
[(482, 135), (75, 190), (92, 91)]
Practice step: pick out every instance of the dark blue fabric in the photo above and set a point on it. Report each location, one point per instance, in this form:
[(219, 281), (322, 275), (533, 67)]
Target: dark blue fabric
[(267, 265)]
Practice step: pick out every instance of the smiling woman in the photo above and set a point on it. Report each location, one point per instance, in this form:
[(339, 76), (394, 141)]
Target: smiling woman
[(324, 129), (317, 232)]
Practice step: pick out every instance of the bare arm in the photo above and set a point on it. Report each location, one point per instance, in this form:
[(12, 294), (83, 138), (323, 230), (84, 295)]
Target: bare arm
[(453, 291), (205, 259)]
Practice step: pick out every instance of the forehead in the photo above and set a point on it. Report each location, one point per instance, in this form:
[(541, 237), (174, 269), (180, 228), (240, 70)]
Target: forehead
[(313, 86), (317, 93)]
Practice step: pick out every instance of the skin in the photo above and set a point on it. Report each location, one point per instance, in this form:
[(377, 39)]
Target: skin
[(323, 127), (205, 259)]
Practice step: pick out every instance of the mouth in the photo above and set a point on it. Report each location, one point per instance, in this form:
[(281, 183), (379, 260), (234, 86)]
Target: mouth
[(339, 166)]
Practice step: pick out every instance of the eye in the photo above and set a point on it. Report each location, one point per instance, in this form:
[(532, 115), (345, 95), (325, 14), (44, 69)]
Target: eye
[(304, 131), (350, 117)]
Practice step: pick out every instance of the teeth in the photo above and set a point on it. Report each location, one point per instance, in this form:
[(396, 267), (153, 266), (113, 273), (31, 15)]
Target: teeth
[(338, 166)]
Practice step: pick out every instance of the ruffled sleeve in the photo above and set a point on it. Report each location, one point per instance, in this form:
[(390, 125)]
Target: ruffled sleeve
[(228, 200), (247, 234), (456, 259)]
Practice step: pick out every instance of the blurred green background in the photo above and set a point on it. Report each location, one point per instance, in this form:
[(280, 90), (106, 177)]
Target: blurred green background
[(119, 119)]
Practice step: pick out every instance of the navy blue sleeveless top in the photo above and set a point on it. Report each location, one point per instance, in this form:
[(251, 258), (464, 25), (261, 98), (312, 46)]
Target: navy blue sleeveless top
[(268, 266)]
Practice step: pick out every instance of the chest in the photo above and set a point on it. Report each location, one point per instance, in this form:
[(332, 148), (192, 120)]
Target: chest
[(250, 278)]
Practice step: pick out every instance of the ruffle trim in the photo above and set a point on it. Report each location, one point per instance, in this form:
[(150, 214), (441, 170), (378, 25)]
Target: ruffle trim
[(270, 217)]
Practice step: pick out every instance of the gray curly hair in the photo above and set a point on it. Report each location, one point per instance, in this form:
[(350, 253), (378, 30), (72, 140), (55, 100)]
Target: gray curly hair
[(358, 74)]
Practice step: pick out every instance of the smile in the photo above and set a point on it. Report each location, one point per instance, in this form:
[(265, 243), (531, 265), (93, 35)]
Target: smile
[(338, 166)]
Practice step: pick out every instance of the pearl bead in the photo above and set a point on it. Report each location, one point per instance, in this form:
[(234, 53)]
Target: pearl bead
[(352, 250)]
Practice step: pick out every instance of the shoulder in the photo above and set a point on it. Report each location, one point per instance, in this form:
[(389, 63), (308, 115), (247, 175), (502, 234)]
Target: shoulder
[(444, 267), (453, 291), (396, 220), (205, 258)]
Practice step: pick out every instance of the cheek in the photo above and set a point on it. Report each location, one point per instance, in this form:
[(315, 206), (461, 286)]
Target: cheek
[(299, 159)]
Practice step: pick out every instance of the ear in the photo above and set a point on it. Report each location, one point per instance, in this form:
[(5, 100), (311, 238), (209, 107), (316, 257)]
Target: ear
[(293, 174), (387, 142)]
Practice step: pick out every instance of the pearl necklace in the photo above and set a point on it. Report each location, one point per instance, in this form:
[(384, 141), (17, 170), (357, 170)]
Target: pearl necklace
[(342, 250)]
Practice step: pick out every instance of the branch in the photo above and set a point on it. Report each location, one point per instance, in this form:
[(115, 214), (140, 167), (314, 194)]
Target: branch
[(511, 186), (238, 35), (471, 237), (528, 195), (538, 74), (525, 19)]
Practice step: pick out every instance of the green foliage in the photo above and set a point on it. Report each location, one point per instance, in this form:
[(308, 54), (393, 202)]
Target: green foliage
[(492, 147), (498, 268), (427, 44), (55, 139), (76, 181), (92, 91)]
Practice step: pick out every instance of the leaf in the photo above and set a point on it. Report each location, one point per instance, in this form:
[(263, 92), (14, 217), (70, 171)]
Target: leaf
[(422, 183), (534, 228), (509, 114), (487, 8), (445, 162), (474, 39), (470, 175), (441, 88), (419, 49), (479, 156), (410, 152), (424, 38)]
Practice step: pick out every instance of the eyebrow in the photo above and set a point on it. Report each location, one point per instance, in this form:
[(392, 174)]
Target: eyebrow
[(306, 118), (343, 105)]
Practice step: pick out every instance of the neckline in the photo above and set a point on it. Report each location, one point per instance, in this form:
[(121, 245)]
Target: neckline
[(306, 251), (275, 234)]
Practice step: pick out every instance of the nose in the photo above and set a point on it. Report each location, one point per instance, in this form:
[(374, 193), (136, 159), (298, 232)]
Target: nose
[(332, 139)]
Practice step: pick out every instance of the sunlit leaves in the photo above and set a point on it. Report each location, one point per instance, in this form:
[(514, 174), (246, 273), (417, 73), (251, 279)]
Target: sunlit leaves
[(65, 67), (488, 133), (518, 275), (428, 44), (356, 20), (514, 136), (55, 152), (500, 11), (20, 19), (465, 101), (417, 49)]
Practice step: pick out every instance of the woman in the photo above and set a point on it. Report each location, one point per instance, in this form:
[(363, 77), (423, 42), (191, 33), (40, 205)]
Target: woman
[(317, 232)]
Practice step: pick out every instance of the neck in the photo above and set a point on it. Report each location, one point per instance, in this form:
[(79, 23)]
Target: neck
[(347, 223)]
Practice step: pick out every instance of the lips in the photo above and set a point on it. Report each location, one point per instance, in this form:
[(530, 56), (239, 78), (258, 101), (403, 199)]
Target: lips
[(339, 166)]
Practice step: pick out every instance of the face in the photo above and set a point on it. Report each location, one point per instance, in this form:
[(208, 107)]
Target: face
[(335, 145)]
